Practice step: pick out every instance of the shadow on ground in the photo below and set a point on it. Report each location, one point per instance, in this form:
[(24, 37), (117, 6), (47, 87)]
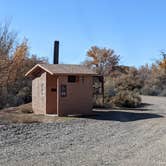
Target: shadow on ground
[(121, 116), (142, 107)]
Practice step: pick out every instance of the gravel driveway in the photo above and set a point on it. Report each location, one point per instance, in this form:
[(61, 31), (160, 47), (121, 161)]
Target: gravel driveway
[(113, 137)]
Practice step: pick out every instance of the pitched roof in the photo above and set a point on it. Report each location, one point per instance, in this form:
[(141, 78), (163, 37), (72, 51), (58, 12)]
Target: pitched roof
[(62, 69)]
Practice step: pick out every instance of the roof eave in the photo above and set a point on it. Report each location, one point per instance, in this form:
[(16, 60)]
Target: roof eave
[(89, 74), (30, 72)]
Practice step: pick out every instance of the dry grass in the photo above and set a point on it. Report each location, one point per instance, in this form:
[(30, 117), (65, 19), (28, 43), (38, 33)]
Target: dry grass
[(25, 108), (24, 114)]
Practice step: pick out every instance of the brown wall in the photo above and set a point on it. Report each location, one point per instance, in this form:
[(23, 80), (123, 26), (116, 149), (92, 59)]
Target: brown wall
[(79, 96), (77, 101), (39, 94)]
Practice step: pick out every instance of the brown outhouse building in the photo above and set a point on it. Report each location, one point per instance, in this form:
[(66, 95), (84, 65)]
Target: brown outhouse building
[(61, 89)]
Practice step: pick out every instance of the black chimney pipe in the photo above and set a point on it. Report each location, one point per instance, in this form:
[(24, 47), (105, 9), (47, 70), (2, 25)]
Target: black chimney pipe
[(56, 52)]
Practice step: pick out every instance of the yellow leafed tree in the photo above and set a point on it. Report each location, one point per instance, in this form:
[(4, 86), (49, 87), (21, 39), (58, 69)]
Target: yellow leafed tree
[(103, 59), (17, 60), (162, 63)]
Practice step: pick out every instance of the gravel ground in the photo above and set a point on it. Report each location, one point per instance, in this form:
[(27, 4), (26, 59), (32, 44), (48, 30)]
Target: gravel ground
[(113, 137)]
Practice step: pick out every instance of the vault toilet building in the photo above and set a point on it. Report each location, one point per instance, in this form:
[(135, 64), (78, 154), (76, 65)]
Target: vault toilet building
[(61, 89)]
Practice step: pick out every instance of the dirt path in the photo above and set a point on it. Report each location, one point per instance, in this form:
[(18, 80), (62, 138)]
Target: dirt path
[(113, 137)]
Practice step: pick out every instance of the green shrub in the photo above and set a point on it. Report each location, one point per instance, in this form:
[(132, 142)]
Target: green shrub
[(126, 99)]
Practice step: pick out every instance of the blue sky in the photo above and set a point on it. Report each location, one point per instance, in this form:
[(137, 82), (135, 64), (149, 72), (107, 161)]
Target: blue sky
[(135, 29)]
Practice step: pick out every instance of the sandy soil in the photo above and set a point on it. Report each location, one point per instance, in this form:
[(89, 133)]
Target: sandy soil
[(112, 137)]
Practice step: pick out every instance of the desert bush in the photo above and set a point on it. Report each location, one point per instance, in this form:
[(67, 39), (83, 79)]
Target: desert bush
[(98, 102), (153, 78), (24, 95), (109, 87), (129, 81), (163, 93), (125, 84), (26, 108), (150, 90), (123, 89), (126, 99)]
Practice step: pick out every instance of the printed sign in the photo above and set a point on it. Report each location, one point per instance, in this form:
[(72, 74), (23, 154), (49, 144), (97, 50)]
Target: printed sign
[(63, 90)]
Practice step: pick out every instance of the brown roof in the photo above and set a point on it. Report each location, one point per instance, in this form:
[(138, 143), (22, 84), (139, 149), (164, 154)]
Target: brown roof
[(62, 69)]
